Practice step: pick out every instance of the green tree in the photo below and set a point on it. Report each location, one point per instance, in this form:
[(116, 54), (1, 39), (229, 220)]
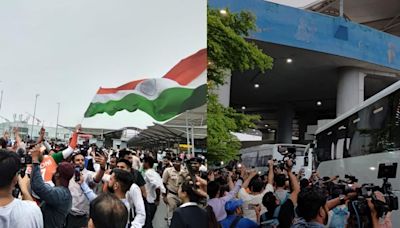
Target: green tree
[(228, 50)]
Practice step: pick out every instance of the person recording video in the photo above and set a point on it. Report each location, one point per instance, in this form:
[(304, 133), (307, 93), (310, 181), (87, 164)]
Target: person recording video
[(15, 212), (79, 214)]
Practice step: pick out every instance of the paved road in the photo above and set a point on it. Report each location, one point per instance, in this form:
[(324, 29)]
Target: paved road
[(159, 218)]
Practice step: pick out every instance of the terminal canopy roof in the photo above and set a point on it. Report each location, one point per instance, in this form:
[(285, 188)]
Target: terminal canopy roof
[(175, 130), (378, 14)]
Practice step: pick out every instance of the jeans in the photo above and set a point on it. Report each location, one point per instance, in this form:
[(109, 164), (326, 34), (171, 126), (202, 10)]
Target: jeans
[(151, 209)]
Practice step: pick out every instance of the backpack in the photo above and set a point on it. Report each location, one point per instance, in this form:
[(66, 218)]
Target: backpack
[(273, 222), (339, 217)]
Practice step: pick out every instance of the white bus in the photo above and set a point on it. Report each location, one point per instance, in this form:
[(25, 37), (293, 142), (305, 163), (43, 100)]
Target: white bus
[(358, 141), (257, 156)]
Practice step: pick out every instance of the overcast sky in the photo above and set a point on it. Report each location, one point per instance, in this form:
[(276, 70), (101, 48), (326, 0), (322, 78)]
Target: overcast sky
[(66, 50)]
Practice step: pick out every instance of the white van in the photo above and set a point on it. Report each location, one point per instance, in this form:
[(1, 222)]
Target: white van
[(257, 156)]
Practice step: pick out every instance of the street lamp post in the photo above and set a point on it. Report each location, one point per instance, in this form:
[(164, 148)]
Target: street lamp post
[(58, 113), (34, 113), (1, 98)]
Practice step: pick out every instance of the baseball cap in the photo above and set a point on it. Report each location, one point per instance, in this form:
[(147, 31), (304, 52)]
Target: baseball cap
[(232, 205)]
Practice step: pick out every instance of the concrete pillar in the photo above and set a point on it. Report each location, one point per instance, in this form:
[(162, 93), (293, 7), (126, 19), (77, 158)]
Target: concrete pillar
[(350, 89), (224, 91), (285, 123)]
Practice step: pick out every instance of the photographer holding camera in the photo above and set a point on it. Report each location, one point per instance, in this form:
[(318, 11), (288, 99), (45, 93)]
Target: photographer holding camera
[(386, 221), (257, 189), (217, 200), (313, 207), (280, 204), (15, 212)]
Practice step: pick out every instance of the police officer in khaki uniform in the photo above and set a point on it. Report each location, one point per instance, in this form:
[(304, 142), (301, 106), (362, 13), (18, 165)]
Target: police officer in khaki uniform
[(173, 177)]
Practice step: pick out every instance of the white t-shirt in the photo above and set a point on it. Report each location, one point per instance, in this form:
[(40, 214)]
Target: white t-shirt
[(250, 200), (21, 213), (153, 181)]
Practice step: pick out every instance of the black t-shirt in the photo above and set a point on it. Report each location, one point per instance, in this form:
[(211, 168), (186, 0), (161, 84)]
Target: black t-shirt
[(286, 214), (139, 180)]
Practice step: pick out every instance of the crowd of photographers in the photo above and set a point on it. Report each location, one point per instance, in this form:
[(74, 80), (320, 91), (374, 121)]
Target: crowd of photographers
[(44, 184), (242, 197), (47, 185)]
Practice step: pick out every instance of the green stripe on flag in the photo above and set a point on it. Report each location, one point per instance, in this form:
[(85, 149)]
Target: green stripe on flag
[(168, 104)]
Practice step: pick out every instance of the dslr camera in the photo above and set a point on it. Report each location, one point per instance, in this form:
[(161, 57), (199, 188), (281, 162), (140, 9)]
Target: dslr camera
[(359, 206), (287, 153)]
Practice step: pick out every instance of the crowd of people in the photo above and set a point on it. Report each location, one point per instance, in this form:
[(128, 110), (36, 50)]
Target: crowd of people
[(44, 184), (242, 197)]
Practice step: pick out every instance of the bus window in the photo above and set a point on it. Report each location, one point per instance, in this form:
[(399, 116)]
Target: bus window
[(300, 151), (373, 129), (263, 160), (250, 159)]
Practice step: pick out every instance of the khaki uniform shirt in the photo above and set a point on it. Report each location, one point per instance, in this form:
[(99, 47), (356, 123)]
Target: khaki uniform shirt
[(173, 179)]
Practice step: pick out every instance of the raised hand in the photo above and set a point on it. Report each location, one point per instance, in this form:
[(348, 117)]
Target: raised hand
[(36, 152), (101, 159), (202, 187), (42, 131), (78, 128)]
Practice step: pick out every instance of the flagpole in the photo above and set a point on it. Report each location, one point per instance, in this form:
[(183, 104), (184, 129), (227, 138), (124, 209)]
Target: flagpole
[(187, 133), (192, 140), (34, 113)]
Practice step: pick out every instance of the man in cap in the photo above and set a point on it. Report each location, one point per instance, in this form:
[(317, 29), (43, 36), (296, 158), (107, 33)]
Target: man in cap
[(57, 200), (173, 177), (235, 215)]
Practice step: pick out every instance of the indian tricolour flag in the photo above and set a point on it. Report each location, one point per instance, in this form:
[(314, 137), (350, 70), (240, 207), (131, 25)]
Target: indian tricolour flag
[(183, 88)]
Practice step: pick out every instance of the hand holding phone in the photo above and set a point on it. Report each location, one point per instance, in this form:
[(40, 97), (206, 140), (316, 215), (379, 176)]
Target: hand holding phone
[(77, 174)]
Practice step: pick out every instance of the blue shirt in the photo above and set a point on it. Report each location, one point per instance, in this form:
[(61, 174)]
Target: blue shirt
[(57, 200), (243, 222)]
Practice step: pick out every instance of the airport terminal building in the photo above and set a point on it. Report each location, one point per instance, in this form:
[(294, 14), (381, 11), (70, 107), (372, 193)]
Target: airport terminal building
[(324, 64)]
